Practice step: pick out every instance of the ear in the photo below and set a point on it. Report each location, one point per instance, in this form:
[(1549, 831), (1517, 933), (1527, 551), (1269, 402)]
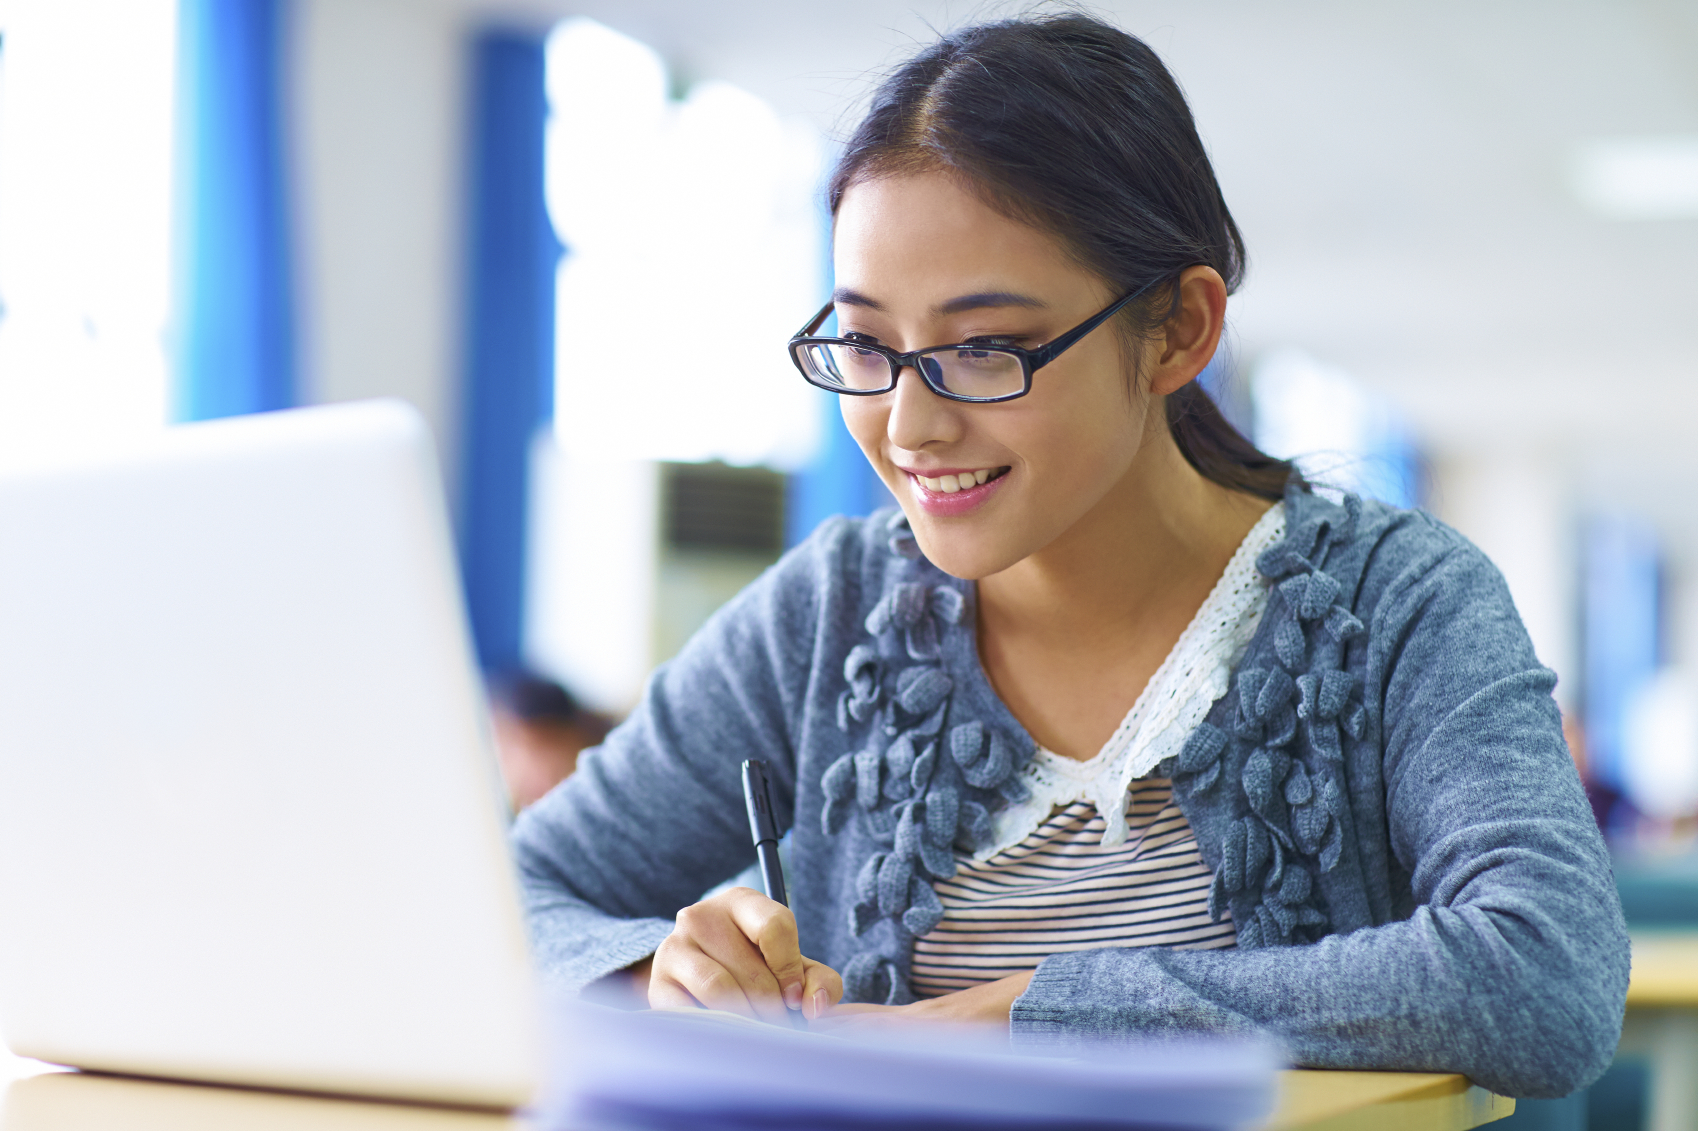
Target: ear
[(1189, 338)]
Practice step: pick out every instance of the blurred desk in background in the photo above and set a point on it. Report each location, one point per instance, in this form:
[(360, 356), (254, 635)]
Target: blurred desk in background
[(1665, 970), (1662, 1023), (1311, 1100), (1658, 894), (69, 1101)]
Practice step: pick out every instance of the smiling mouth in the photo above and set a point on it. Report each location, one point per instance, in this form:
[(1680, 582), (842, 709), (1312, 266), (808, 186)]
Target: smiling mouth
[(950, 484)]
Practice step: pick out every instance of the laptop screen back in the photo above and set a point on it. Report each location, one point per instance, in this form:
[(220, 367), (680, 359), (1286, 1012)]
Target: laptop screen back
[(250, 826)]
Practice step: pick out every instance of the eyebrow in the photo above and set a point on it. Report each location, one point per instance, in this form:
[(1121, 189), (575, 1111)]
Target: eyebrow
[(989, 298), (844, 296)]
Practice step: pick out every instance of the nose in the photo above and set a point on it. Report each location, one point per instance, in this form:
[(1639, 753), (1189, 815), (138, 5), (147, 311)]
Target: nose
[(918, 416)]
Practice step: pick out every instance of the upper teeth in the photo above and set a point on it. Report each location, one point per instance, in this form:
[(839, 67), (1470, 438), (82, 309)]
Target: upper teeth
[(949, 484)]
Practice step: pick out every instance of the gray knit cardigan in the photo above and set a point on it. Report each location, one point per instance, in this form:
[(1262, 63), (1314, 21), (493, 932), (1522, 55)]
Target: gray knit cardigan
[(1384, 795)]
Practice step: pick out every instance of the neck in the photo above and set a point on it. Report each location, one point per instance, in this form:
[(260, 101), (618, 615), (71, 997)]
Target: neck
[(1147, 553)]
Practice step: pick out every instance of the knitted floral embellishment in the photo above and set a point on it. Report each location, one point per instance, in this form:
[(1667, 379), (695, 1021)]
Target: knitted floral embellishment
[(1293, 791), (919, 788)]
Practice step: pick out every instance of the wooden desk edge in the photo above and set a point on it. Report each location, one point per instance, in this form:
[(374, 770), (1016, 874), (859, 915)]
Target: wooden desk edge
[(1309, 1101), (1314, 1100), (1665, 969)]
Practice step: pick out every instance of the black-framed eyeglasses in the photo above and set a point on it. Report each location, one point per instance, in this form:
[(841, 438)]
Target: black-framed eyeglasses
[(975, 372)]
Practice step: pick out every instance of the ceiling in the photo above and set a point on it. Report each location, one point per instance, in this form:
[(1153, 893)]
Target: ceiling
[(1400, 171)]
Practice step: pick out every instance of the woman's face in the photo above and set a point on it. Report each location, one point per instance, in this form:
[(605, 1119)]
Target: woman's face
[(922, 262)]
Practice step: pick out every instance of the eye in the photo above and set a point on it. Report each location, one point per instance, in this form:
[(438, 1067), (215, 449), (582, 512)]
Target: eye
[(986, 340), (857, 336)]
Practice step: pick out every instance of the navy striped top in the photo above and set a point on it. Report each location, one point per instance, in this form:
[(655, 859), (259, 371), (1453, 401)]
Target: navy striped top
[(1062, 889)]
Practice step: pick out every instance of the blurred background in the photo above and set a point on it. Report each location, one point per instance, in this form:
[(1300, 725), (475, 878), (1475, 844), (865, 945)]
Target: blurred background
[(577, 234)]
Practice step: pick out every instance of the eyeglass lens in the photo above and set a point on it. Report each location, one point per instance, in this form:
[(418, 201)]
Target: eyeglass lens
[(964, 372)]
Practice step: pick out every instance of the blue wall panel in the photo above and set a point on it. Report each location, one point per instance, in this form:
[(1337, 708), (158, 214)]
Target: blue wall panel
[(1622, 632), (507, 394), (839, 481), (234, 316)]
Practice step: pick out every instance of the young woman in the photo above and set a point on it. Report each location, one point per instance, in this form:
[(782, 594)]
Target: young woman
[(1116, 727)]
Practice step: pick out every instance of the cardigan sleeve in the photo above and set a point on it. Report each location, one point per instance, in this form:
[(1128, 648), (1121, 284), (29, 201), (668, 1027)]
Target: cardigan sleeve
[(654, 817), (1512, 967)]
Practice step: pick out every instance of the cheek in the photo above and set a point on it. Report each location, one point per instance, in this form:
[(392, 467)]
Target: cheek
[(866, 418), (1086, 429)]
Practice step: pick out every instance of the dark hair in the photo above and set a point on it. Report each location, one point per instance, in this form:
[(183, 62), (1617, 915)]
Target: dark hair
[(537, 699), (1075, 127)]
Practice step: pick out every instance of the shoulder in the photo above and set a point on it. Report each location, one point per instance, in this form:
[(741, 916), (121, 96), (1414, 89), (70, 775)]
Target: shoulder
[(861, 547), (833, 578), (1422, 591), (870, 553), (1378, 552)]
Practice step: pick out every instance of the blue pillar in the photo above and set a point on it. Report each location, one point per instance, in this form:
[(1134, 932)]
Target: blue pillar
[(839, 481), (508, 390), (234, 317), (1621, 632)]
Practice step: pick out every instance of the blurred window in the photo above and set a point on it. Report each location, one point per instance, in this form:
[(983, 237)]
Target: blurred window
[(1340, 433), (712, 506), (1639, 178), (694, 250), (85, 203)]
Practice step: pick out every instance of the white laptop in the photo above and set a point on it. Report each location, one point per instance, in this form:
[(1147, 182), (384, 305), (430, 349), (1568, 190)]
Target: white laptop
[(250, 825)]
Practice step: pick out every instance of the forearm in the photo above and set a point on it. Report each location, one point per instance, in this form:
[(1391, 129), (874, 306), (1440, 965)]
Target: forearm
[(1456, 990), (575, 944), (988, 1003), (626, 988)]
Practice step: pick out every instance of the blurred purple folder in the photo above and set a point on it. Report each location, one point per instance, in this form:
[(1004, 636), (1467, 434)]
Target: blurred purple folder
[(615, 1071)]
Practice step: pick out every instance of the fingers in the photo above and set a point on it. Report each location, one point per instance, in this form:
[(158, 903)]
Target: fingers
[(692, 980), (666, 993), (860, 1017), (772, 928), (822, 988), (712, 959), (738, 952)]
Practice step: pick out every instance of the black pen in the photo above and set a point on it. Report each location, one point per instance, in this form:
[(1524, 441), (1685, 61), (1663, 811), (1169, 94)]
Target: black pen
[(764, 829)]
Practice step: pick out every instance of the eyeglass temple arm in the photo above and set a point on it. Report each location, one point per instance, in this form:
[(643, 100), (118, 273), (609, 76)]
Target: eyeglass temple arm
[(1045, 354), (816, 322)]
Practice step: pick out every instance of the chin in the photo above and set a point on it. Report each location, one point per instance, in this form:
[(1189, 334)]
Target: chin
[(963, 553)]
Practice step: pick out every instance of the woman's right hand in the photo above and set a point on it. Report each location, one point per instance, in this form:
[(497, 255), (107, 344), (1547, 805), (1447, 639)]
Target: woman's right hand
[(738, 952)]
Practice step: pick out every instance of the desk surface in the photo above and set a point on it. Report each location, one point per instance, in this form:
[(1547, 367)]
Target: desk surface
[(1665, 969), (1379, 1101), (62, 1101)]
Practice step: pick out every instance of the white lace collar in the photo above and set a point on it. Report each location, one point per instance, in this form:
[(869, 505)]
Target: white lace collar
[(1195, 674)]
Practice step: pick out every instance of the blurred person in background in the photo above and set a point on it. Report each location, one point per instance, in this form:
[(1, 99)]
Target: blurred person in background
[(1117, 726), (539, 732)]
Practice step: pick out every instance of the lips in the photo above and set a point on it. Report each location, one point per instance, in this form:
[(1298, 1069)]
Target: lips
[(956, 491), (949, 482)]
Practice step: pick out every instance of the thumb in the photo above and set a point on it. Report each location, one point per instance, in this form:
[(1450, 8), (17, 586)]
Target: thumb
[(772, 928), (822, 990)]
